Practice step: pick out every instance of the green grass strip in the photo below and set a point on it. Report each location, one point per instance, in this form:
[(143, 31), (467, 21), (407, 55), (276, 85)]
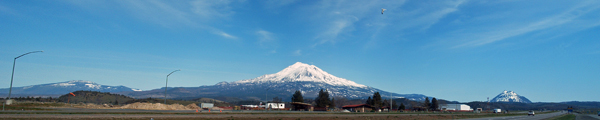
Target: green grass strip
[(564, 117)]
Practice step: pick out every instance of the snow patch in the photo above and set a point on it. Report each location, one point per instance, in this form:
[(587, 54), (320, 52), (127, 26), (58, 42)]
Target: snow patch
[(63, 84), (93, 86)]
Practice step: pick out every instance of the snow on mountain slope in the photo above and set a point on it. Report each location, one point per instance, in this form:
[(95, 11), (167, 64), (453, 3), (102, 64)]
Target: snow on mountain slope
[(510, 96), (301, 72)]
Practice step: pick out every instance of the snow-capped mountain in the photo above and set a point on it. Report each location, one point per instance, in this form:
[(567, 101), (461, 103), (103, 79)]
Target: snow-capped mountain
[(301, 72), (510, 96), (52, 89), (300, 76)]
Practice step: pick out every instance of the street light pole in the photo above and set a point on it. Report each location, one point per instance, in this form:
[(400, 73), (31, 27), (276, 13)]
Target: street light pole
[(167, 81), (266, 99), (13, 74)]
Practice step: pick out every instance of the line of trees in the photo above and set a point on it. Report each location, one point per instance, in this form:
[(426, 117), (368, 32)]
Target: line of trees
[(322, 99), (37, 99), (433, 105), (377, 103)]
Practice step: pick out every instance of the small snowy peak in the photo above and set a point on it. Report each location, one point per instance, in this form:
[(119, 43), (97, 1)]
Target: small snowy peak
[(301, 72), (137, 90), (80, 81), (510, 96), (63, 84), (94, 86)]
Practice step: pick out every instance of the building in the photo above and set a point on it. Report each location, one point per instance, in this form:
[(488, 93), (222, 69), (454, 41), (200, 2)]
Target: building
[(300, 106), (275, 106), (455, 107), (358, 108)]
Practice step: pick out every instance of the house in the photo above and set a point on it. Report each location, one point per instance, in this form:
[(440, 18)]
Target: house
[(275, 106), (455, 107), (358, 107)]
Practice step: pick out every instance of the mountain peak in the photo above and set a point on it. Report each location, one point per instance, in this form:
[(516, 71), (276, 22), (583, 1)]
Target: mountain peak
[(510, 96), (79, 81), (302, 72)]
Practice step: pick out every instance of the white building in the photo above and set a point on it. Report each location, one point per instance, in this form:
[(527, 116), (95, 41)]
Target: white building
[(275, 105), (454, 107)]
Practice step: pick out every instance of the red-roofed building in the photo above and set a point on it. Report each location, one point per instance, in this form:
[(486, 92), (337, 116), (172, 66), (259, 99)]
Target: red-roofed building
[(358, 108)]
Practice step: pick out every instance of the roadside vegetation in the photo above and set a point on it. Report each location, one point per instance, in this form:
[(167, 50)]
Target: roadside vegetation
[(564, 117)]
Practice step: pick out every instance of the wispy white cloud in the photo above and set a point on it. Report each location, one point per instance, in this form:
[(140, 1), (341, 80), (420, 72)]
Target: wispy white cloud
[(338, 20), (565, 18), (278, 3), (297, 53), (336, 27), (212, 8), (196, 14), (266, 39), (226, 35)]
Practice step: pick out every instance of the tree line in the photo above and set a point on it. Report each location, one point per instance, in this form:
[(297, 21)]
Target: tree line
[(322, 100), (377, 103)]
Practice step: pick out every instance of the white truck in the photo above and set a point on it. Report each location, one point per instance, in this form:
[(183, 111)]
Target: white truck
[(206, 105), (497, 110)]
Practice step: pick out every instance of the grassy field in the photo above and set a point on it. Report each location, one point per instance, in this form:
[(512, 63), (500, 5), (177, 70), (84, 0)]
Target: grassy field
[(564, 117), (32, 106), (56, 111)]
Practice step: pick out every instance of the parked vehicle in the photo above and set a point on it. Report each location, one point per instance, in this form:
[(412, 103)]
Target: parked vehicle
[(497, 110), (531, 113)]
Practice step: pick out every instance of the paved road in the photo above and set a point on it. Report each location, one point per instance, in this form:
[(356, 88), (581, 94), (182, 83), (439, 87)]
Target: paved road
[(587, 117), (522, 117)]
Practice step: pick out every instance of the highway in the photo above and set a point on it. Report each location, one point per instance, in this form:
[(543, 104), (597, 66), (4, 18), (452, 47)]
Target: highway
[(587, 117), (523, 117)]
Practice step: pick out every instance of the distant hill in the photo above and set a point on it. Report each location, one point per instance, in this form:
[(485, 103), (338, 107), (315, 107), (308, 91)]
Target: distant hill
[(117, 99), (95, 97), (61, 88)]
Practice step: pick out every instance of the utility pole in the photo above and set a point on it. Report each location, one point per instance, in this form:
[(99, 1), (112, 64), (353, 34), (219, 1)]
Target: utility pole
[(166, 82), (391, 102), (13, 74)]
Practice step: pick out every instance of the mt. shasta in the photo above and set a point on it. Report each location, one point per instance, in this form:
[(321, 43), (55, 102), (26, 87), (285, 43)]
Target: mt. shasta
[(300, 76)]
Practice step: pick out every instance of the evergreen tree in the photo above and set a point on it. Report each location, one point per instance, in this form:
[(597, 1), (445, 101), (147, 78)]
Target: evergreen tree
[(332, 103), (394, 104), (369, 101), (297, 97), (434, 104), (426, 104), (402, 107), (377, 100), (322, 99)]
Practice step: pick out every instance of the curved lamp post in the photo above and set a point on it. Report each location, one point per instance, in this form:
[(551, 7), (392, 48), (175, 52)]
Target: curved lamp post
[(166, 85), (13, 74)]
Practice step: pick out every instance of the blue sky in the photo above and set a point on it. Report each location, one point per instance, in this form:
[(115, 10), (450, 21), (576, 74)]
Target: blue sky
[(547, 51)]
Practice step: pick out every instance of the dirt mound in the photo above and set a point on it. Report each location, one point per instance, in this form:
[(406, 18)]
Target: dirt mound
[(155, 106), (192, 106)]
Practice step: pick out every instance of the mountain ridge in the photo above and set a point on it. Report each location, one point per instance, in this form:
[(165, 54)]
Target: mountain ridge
[(54, 89)]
